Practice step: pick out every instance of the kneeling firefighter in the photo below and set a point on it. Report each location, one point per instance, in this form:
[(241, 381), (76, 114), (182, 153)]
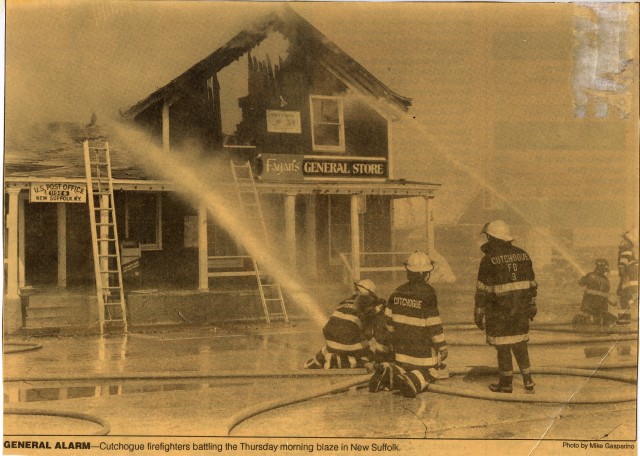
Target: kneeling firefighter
[(346, 341), (505, 302), (417, 337)]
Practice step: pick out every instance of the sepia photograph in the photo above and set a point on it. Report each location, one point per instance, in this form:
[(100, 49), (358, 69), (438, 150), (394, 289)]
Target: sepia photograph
[(343, 228)]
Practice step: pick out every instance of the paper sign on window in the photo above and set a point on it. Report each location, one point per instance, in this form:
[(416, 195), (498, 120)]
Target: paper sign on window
[(283, 121)]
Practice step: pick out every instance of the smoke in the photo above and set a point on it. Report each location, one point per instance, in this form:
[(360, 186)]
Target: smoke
[(202, 179), (65, 60)]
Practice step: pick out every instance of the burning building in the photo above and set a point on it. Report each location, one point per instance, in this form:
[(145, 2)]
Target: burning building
[(310, 126)]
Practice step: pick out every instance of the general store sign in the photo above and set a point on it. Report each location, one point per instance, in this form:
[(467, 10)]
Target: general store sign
[(344, 168), (58, 192), (283, 121), (291, 168)]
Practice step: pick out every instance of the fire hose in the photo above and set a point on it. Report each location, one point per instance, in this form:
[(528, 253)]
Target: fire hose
[(22, 347), (545, 398), (105, 427)]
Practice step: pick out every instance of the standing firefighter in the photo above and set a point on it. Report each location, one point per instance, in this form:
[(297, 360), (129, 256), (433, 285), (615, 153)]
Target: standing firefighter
[(595, 301), (628, 271), (417, 337), (346, 341), (505, 302)]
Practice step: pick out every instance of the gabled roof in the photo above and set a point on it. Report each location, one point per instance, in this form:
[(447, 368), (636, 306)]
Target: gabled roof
[(284, 20)]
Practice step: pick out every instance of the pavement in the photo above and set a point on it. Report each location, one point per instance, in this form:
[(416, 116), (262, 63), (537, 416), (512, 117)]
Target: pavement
[(191, 381)]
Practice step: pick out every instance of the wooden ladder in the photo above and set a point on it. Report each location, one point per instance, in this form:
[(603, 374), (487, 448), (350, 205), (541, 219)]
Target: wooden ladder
[(112, 309), (270, 291)]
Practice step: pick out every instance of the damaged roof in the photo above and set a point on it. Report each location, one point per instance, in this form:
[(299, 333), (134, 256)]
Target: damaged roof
[(55, 150), (284, 20)]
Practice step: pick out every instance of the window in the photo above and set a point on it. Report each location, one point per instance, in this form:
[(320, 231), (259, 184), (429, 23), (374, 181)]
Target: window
[(327, 124), (143, 219)]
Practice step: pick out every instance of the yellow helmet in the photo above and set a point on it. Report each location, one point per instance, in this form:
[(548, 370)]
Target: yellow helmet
[(366, 286), (498, 229), (419, 262)]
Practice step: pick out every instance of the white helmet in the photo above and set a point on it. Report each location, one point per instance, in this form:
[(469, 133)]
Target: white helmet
[(366, 286), (498, 229), (419, 262)]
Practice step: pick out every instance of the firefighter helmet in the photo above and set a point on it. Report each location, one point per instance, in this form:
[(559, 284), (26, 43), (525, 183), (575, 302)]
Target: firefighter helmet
[(602, 264), (365, 286), (498, 229), (419, 262)]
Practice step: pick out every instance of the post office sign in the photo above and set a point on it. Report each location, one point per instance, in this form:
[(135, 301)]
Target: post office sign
[(57, 192)]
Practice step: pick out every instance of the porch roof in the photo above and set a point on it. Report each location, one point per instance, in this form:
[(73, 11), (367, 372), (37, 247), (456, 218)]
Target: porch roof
[(397, 188)]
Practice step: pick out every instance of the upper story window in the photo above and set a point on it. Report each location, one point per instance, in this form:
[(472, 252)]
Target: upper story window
[(143, 219), (327, 123)]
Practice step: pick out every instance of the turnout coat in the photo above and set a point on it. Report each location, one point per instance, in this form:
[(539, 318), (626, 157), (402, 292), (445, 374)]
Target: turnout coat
[(628, 270), (506, 289), (596, 296), (344, 333), (414, 322)]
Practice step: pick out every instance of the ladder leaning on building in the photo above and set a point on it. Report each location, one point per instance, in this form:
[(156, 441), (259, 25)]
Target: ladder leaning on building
[(112, 310), (270, 291)]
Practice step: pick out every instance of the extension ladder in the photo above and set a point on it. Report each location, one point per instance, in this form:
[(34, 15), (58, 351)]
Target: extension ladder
[(104, 236), (270, 291)]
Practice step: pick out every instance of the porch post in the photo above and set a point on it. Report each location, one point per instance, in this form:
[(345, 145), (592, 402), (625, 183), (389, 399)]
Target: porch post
[(12, 244), (355, 238), (310, 241), (12, 309), (21, 276), (429, 225), (290, 227), (203, 249), (165, 126), (62, 245)]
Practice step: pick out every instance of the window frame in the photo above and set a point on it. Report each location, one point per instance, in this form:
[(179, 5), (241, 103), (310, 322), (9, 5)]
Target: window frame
[(341, 147), (158, 244)]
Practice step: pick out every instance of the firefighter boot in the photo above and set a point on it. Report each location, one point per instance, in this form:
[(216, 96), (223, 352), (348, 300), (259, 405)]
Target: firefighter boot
[(381, 379), (505, 385), (406, 386), (529, 384)]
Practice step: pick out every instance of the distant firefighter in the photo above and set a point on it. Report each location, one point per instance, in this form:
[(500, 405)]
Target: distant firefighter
[(505, 301), (595, 301), (346, 337), (416, 334), (628, 272)]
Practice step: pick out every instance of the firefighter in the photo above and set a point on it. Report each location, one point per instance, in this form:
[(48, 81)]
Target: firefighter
[(346, 343), (374, 322), (505, 302), (417, 337), (628, 272), (595, 301)]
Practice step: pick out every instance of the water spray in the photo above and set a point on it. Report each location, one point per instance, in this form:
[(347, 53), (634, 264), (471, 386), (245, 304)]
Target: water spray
[(478, 179), (199, 179)]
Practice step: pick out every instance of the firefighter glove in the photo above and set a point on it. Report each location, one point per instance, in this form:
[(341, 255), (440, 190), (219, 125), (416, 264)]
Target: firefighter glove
[(444, 354), (533, 310), (478, 317)]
